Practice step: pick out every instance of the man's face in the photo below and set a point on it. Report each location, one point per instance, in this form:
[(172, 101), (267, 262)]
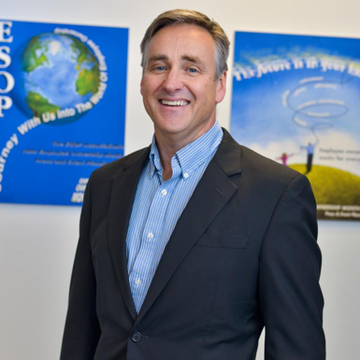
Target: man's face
[(178, 85)]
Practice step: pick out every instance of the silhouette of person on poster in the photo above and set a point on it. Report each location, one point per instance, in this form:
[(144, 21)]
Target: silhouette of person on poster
[(310, 148), (284, 158)]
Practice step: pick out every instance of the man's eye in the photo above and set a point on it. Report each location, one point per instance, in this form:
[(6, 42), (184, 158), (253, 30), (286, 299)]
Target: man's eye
[(160, 68), (192, 70)]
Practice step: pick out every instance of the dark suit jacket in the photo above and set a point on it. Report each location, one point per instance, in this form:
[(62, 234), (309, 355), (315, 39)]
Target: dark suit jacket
[(243, 256)]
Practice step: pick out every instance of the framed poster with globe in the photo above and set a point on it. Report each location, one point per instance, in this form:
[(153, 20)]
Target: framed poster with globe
[(62, 108), (296, 101)]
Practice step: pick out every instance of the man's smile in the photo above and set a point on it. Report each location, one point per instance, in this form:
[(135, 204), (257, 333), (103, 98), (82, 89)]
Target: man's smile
[(174, 102)]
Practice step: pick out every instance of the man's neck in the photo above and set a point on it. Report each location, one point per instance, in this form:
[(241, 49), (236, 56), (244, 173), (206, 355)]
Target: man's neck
[(169, 144)]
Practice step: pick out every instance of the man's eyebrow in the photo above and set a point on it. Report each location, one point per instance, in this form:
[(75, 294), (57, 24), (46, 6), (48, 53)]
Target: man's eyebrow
[(157, 57), (193, 59)]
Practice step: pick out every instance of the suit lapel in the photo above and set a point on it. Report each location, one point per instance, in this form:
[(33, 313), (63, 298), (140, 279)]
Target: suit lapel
[(214, 190), (121, 200)]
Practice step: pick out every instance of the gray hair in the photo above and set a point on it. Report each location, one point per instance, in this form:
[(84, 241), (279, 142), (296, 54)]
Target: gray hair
[(191, 17)]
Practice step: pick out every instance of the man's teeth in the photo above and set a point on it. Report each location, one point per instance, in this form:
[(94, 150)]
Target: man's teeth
[(174, 103)]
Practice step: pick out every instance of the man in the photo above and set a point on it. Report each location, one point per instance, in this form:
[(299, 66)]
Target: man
[(190, 247)]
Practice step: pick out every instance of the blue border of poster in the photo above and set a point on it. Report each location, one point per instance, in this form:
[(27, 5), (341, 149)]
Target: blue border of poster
[(296, 101), (62, 108)]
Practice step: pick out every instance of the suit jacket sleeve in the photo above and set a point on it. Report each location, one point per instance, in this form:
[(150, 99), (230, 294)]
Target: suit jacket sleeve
[(290, 261), (82, 329)]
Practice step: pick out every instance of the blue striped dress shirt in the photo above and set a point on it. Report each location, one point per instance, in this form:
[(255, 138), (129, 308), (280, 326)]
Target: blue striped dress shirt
[(158, 205)]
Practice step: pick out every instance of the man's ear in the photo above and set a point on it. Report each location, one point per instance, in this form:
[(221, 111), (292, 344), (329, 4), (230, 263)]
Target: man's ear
[(141, 86), (221, 88)]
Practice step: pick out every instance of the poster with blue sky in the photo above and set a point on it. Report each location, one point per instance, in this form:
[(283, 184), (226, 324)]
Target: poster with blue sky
[(296, 100), (62, 108)]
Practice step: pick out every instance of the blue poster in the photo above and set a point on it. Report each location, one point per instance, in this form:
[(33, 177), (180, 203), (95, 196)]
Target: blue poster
[(62, 108), (296, 100)]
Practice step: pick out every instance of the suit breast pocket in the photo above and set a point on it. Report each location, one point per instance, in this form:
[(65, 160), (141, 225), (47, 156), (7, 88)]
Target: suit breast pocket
[(223, 241)]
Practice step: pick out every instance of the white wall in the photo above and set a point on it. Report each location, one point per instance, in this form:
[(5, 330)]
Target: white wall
[(37, 243)]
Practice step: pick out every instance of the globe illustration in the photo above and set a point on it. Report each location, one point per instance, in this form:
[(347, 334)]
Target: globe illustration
[(54, 73)]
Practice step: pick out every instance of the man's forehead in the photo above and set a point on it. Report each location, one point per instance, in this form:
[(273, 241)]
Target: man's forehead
[(191, 42), (176, 32)]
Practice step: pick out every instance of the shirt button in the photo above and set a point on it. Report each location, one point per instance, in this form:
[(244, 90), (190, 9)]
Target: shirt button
[(150, 235), (163, 192), (136, 337), (186, 175), (137, 282)]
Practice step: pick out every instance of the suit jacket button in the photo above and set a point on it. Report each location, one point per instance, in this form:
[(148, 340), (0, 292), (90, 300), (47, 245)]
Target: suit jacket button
[(136, 337)]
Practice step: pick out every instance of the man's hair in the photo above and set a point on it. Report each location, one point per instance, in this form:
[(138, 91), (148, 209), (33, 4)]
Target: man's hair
[(191, 17)]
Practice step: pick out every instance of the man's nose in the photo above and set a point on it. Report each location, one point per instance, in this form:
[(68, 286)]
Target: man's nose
[(173, 81)]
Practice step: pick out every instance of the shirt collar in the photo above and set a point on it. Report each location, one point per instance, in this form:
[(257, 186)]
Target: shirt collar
[(191, 156), (154, 156)]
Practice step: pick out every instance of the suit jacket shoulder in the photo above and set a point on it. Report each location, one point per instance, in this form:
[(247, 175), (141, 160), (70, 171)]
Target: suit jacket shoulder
[(256, 173), (263, 170)]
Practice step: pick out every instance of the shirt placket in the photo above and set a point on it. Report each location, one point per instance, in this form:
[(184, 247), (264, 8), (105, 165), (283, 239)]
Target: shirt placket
[(151, 247)]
